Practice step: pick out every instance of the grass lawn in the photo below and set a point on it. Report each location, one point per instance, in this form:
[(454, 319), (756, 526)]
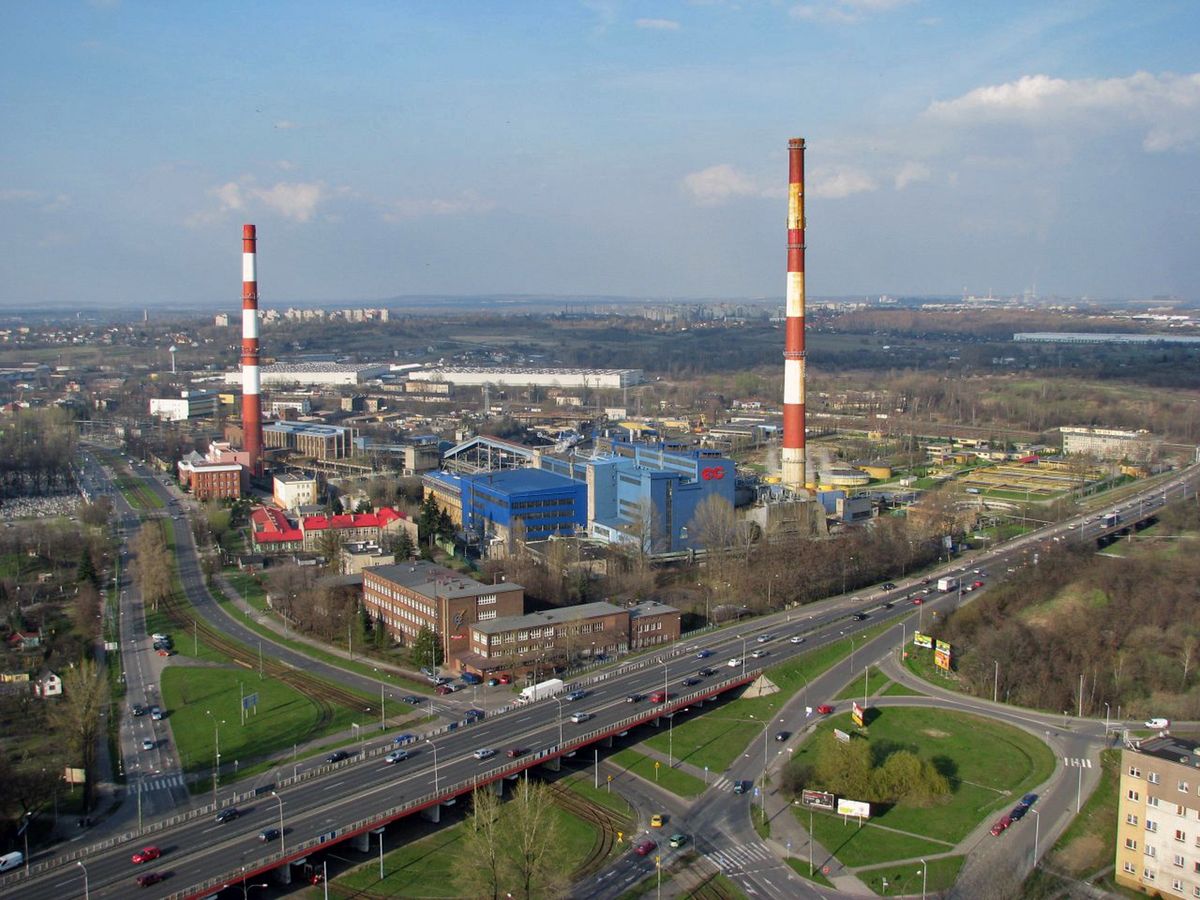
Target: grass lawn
[(249, 587), (867, 845), (581, 783), (896, 689), (919, 661), (425, 868), (714, 739), (1090, 841), (800, 866), (988, 765), (909, 878), (876, 680), (673, 780), (284, 717)]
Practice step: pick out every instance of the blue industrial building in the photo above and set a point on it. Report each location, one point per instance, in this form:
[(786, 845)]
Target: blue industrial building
[(493, 502)]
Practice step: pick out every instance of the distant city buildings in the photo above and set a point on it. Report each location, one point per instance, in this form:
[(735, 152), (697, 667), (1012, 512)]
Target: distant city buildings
[(310, 439), (293, 490), (1110, 443), (192, 404), (325, 374), (273, 532), (508, 376)]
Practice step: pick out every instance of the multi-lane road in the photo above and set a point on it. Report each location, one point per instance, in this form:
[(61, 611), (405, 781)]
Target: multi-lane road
[(327, 805)]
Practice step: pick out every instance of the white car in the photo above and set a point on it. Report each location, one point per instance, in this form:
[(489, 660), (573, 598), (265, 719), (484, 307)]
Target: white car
[(797, 639), (735, 662), (1158, 724), (579, 717), (485, 753), (759, 654), (396, 756)]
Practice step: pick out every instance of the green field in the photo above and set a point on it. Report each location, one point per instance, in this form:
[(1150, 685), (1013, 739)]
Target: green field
[(425, 868), (284, 717), (876, 681), (866, 845), (673, 780), (987, 763), (715, 738), (801, 868), (581, 783), (896, 689), (910, 878)]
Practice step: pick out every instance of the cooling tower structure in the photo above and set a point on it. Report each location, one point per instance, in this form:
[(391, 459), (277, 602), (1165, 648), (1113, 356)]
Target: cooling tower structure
[(252, 435), (792, 456)]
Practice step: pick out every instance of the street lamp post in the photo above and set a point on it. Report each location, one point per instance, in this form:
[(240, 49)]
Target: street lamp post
[(1106, 712), (217, 723), (86, 892), (1037, 825), (924, 877), (435, 765), (279, 800), (996, 682)]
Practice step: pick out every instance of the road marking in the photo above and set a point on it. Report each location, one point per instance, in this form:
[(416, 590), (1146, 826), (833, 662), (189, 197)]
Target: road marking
[(332, 786)]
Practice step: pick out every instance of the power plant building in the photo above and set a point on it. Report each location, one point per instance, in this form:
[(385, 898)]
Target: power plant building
[(310, 439), (192, 404), (325, 374), (503, 376), (526, 503)]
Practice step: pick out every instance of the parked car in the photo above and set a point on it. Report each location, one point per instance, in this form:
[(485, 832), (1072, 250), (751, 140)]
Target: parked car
[(493, 682), (396, 756), (146, 854), (443, 690), (645, 848), (148, 878), (269, 834), (506, 679), (337, 756), (473, 715), (228, 814), (1001, 824), (825, 709)]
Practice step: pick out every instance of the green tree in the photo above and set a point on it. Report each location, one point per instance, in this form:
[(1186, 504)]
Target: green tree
[(844, 768), (87, 568), (426, 648), (428, 518), (402, 546)]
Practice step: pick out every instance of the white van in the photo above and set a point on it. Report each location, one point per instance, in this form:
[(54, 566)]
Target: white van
[(11, 860)]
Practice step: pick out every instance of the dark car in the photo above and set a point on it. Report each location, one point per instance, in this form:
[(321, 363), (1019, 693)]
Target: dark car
[(740, 787), (634, 698), (782, 736), (688, 682), (706, 672), (575, 695), (703, 654), (645, 848), (889, 585), (137, 709), (412, 700), (228, 814), (337, 756), (268, 834), (473, 715), (858, 617), (888, 605), (148, 878), (402, 739)]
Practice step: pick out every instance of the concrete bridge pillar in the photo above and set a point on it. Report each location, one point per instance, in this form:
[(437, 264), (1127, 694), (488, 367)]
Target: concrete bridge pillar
[(607, 742), (497, 787), (553, 763), (432, 813), (361, 842)]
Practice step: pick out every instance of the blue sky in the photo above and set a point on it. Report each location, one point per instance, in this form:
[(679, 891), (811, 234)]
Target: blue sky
[(580, 148)]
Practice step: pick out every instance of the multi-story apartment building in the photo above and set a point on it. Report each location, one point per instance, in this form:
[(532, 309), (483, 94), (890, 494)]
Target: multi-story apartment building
[(1158, 817)]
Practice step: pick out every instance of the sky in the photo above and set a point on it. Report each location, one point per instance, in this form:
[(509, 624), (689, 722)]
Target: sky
[(589, 148)]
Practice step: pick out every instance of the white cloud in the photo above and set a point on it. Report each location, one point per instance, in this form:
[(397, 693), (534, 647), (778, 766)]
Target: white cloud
[(1166, 106), (285, 124), (657, 24), (844, 12), (838, 181), (292, 200), (424, 207), (909, 173), (717, 184), (44, 201)]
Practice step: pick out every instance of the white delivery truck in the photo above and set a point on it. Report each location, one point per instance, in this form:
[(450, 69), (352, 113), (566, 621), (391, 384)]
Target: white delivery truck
[(541, 690), (947, 584)]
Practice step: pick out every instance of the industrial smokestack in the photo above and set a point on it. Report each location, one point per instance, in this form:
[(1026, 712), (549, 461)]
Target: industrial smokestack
[(252, 439), (793, 456)]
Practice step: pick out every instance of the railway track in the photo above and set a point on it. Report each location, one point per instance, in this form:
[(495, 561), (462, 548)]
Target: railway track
[(608, 823)]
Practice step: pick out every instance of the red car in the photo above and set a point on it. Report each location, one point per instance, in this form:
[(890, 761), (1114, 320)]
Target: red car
[(515, 752), (917, 601), (645, 848), (825, 709), (148, 878), (146, 854), (506, 679), (443, 690), (1001, 824), (977, 584)]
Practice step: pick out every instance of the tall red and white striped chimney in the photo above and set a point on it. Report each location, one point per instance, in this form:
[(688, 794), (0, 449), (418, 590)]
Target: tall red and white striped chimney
[(252, 439), (792, 458)]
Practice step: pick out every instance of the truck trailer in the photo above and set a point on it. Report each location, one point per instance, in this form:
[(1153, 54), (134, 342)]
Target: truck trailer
[(541, 690), (948, 584)]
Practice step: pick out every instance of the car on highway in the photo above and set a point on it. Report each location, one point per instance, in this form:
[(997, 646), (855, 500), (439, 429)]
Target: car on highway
[(137, 710), (634, 698), (228, 814), (764, 638), (484, 753), (656, 820), (976, 584), (797, 639), (704, 654), (889, 585), (337, 756), (145, 855), (918, 600), (689, 681), (825, 709), (678, 840), (1001, 825), (734, 662), (147, 744), (645, 848), (706, 672), (156, 714), (1158, 724), (401, 739), (859, 616), (888, 605), (575, 695), (580, 717), (146, 879), (396, 756), (759, 654), (514, 752), (782, 736), (269, 834)]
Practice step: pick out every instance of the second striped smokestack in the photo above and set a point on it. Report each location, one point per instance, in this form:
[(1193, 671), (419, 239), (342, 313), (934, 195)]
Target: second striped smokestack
[(252, 438), (792, 458)]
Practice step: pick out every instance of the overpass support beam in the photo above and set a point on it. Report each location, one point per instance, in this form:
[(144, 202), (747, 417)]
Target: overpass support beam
[(553, 763), (361, 842), (432, 813), (497, 787), (607, 742), (283, 875)]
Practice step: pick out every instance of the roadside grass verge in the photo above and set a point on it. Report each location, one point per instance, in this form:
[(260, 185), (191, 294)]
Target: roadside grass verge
[(875, 682), (801, 868), (680, 783), (1090, 841), (911, 878), (866, 845), (896, 689), (581, 783), (988, 764)]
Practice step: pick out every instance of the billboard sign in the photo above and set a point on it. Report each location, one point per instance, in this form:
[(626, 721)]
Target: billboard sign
[(942, 647), (841, 735), (853, 808), (923, 640), (941, 660), (818, 800), (856, 714)]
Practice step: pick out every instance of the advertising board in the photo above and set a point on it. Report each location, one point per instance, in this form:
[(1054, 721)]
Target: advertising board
[(818, 800), (923, 640), (853, 808), (856, 714)]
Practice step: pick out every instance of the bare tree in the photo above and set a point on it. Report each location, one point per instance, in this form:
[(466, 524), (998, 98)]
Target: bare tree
[(532, 831), (152, 565), (79, 716), (478, 869)]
